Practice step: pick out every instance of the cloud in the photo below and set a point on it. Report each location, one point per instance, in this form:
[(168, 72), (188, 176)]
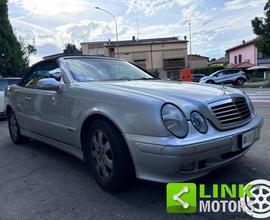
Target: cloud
[(240, 4), (53, 23), (50, 7), (152, 7)]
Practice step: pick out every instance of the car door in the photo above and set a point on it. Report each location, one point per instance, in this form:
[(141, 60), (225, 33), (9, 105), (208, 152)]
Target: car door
[(24, 96), (220, 76), (30, 106), (226, 76), (53, 110)]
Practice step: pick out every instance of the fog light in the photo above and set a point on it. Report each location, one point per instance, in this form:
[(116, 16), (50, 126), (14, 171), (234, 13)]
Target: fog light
[(187, 167)]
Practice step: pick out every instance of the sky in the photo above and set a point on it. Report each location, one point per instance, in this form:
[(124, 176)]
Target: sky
[(215, 24)]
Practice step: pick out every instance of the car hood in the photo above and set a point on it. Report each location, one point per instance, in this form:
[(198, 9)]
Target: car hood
[(168, 90), (185, 95)]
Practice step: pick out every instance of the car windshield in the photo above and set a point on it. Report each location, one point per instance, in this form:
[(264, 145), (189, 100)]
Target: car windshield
[(213, 74), (104, 69)]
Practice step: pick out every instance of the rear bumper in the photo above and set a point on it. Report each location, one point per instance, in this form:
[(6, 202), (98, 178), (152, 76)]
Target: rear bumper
[(169, 159)]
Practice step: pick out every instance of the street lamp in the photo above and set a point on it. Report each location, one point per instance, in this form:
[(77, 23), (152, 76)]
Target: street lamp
[(116, 29)]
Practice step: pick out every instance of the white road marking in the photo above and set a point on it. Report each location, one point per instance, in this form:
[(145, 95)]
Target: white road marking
[(260, 97)]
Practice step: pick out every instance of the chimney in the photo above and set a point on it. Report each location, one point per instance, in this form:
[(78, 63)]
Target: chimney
[(243, 41), (185, 37), (133, 38)]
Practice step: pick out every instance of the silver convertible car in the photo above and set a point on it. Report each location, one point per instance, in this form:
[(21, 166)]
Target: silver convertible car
[(126, 123)]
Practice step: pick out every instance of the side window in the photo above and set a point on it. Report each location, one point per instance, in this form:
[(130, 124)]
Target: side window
[(219, 74), (228, 72), (42, 71)]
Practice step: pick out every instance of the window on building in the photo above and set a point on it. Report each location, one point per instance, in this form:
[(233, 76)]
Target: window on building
[(96, 51), (173, 63), (235, 59), (141, 63), (240, 58)]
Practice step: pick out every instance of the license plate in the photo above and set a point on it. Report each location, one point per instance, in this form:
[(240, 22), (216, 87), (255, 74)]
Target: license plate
[(250, 137)]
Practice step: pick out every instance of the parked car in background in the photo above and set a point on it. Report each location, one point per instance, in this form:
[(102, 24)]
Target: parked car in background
[(196, 77), (4, 83), (226, 76), (126, 123)]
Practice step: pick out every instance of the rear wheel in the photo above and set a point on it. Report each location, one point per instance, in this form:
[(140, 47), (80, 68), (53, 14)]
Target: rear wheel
[(14, 129), (240, 81), (109, 157)]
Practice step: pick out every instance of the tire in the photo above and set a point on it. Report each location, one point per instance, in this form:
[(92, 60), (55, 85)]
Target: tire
[(210, 82), (240, 81), (109, 156), (14, 129)]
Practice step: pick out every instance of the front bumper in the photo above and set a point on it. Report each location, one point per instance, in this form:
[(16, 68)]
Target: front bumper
[(162, 159)]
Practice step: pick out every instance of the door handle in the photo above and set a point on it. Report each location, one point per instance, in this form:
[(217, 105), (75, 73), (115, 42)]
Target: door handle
[(28, 98)]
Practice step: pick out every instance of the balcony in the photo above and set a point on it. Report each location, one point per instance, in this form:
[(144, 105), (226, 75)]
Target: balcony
[(174, 63)]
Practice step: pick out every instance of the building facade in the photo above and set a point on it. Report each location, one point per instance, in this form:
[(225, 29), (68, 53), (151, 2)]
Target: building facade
[(165, 55), (197, 61), (246, 54)]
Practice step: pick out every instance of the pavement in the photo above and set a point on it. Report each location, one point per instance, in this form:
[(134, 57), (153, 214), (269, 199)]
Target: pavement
[(260, 84), (40, 182)]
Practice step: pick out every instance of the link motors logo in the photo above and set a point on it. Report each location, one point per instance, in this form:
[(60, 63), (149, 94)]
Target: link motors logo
[(258, 206), (252, 198)]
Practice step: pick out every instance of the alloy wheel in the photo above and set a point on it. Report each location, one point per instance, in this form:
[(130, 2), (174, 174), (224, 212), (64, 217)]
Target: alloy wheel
[(102, 154), (13, 126)]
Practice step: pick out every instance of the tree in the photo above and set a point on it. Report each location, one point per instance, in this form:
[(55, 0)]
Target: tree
[(156, 72), (261, 27), (12, 59), (27, 50), (71, 49)]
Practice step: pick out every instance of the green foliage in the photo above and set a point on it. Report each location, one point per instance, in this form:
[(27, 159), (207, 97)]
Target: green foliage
[(13, 55), (261, 27), (208, 70), (70, 49), (156, 72)]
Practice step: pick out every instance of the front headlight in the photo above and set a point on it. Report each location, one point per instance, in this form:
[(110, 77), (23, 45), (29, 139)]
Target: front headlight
[(199, 122), (251, 107), (174, 120)]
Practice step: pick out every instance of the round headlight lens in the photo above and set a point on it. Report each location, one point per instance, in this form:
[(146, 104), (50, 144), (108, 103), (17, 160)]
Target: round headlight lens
[(199, 122), (174, 120)]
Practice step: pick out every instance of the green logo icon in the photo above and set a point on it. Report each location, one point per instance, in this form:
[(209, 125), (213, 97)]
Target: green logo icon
[(181, 198)]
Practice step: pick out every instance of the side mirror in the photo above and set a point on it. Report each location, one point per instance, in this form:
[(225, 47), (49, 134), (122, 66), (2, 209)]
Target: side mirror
[(48, 84)]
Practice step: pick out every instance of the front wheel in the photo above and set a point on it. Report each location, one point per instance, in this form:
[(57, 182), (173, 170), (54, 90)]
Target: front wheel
[(14, 129), (109, 156), (210, 82)]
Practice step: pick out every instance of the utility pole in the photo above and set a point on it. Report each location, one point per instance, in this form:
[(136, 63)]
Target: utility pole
[(190, 52), (151, 50), (137, 20)]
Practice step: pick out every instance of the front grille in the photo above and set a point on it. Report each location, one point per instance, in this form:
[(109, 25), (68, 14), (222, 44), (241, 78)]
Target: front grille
[(231, 111)]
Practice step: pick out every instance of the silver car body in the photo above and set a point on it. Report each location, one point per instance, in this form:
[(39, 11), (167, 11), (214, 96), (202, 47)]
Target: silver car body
[(224, 76), (57, 118)]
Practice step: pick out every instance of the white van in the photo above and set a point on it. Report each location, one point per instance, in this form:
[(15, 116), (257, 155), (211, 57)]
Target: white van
[(4, 83)]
